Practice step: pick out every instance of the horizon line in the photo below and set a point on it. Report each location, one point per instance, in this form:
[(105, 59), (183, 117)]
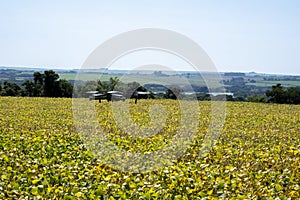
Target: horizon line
[(117, 69)]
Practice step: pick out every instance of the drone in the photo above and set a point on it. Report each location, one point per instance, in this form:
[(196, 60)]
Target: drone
[(115, 96), (109, 96)]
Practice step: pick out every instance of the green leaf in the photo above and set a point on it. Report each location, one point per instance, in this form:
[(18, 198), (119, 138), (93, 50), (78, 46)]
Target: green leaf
[(35, 181), (278, 187)]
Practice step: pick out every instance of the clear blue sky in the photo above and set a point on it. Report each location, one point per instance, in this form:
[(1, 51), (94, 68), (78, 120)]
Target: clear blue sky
[(253, 35)]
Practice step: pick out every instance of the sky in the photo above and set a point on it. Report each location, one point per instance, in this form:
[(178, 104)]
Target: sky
[(250, 35)]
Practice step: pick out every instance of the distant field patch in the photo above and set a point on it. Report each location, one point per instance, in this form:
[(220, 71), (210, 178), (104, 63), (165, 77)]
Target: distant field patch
[(271, 83)]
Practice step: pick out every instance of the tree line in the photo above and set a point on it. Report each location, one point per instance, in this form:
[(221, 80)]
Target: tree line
[(282, 95), (48, 84), (277, 94), (45, 84)]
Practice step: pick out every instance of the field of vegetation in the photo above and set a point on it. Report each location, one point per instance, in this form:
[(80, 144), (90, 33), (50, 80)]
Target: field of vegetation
[(42, 155), (271, 83)]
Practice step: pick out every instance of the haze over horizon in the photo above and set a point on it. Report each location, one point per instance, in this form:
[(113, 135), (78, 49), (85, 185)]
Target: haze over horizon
[(248, 36)]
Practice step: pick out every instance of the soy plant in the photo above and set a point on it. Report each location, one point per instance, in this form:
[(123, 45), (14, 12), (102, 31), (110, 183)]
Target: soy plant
[(42, 155)]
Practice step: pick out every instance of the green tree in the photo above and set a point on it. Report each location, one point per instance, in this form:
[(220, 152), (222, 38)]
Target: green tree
[(113, 82), (11, 89), (173, 93), (29, 88), (50, 78), (293, 95), (102, 86), (38, 79), (277, 95), (258, 99), (105, 86), (63, 89)]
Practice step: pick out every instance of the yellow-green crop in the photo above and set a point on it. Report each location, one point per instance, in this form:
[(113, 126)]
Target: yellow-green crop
[(42, 155)]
